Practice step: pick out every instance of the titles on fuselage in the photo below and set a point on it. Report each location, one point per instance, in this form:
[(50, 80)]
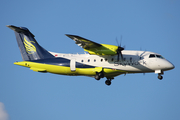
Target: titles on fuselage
[(130, 63)]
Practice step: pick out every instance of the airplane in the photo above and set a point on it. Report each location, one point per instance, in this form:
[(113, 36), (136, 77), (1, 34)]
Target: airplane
[(102, 60)]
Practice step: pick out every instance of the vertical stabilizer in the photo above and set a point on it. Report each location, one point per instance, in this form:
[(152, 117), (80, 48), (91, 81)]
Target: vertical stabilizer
[(29, 48)]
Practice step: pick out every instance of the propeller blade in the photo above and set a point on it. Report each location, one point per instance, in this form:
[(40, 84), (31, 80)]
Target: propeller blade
[(119, 53), (117, 41), (141, 56), (117, 57), (119, 49), (121, 56)]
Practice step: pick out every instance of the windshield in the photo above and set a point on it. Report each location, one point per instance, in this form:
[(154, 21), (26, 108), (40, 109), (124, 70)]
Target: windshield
[(159, 56), (155, 55)]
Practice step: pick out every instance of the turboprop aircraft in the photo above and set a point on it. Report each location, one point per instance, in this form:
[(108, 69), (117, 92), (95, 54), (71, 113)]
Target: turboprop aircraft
[(102, 61)]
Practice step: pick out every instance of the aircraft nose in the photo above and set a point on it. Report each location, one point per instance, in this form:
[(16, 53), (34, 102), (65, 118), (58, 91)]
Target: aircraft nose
[(170, 66)]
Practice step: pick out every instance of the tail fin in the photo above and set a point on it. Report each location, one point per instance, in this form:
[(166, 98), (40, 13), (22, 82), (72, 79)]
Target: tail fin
[(29, 48)]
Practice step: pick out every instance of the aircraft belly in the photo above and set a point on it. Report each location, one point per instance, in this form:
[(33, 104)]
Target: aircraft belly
[(110, 70)]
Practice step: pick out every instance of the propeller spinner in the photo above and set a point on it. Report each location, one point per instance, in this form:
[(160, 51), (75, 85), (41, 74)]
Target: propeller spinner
[(119, 53)]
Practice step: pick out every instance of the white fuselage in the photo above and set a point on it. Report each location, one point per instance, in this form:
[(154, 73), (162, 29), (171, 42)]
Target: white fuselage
[(133, 61)]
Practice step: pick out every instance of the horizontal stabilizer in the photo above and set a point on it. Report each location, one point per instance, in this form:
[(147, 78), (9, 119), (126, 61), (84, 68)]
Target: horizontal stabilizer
[(20, 29), (29, 48)]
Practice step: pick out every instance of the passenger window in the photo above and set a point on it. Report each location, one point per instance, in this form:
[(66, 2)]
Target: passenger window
[(94, 60), (88, 60), (106, 59), (101, 60), (82, 60), (152, 56)]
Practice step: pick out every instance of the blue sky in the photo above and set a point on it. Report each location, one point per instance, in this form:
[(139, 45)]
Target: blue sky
[(147, 25)]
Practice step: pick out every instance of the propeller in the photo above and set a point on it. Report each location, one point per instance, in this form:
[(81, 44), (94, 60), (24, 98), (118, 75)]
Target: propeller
[(119, 50), (142, 54)]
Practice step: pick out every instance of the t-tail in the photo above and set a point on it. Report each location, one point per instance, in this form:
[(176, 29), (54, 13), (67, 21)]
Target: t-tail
[(29, 48)]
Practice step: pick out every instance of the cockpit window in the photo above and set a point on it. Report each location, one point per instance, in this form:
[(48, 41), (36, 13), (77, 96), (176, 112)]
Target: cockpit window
[(153, 56), (159, 56)]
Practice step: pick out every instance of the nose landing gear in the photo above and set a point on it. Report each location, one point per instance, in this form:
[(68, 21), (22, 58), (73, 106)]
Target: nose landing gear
[(160, 73), (160, 77)]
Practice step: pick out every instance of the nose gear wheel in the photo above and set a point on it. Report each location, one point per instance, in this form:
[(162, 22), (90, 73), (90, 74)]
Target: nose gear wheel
[(160, 77)]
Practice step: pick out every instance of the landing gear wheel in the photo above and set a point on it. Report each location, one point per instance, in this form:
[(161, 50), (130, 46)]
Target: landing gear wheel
[(160, 77), (97, 77), (108, 82)]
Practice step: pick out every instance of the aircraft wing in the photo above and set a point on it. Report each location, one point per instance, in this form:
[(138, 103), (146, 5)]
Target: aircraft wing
[(84, 43), (94, 48)]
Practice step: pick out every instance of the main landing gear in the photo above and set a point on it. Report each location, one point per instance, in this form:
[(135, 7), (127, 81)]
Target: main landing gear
[(108, 81), (100, 75)]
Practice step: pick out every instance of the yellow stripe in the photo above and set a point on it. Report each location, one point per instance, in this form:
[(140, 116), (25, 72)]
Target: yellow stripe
[(66, 70)]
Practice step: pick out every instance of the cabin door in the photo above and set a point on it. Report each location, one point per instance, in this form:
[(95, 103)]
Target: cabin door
[(73, 65)]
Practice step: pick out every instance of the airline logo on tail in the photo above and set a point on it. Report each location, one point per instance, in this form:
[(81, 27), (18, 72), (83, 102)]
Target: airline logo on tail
[(30, 48)]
